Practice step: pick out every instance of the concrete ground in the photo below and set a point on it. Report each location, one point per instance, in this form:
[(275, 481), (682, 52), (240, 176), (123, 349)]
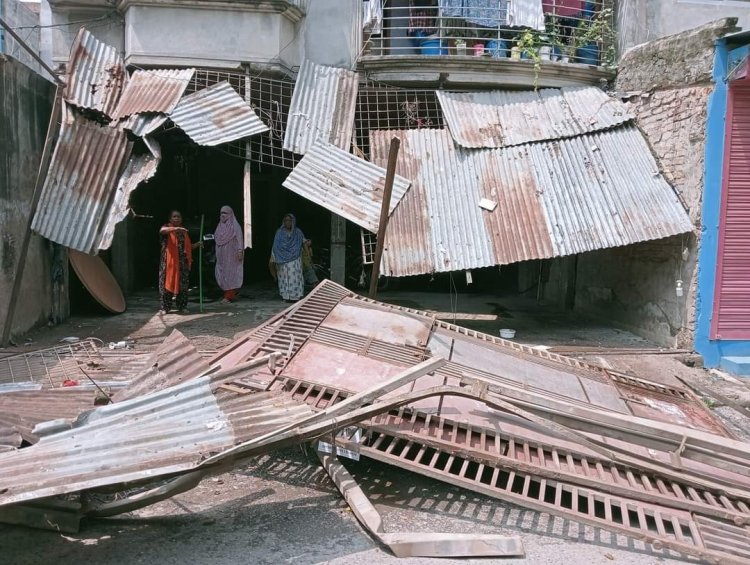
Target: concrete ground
[(282, 508)]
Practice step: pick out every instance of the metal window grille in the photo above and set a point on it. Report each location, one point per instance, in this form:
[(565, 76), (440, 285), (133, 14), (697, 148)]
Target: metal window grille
[(270, 98), (382, 107)]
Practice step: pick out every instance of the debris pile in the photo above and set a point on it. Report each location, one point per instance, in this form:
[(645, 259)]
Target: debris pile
[(544, 431)]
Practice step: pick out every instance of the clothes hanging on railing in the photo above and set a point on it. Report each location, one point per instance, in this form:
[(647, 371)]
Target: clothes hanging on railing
[(452, 8), (422, 18), (563, 8), (486, 13), (372, 16), (526, 13)]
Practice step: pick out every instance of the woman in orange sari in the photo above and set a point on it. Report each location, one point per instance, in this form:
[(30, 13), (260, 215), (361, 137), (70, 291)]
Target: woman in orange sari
[(174, 265)]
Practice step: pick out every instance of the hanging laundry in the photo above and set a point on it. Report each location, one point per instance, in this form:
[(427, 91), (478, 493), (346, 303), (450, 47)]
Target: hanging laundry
[(452, 8), (526, 13), (421, 19), (563, 8), (372, 20), (486, 13)]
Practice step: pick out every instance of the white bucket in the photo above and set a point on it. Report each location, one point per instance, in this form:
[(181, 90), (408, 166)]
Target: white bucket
[(507, 333)]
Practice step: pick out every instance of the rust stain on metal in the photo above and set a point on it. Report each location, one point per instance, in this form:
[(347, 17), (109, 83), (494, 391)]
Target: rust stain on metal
[(96, 74), (80, 185), (216, 115), (594, 191), (155, 90)]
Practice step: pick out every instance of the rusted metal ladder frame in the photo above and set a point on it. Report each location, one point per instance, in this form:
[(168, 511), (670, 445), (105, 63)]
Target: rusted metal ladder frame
[(688, 536)]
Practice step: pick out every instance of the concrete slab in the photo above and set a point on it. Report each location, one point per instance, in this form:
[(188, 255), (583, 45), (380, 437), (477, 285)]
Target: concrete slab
[(739, 366)]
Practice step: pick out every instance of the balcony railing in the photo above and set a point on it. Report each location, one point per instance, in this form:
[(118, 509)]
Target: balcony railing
[(568, 31)]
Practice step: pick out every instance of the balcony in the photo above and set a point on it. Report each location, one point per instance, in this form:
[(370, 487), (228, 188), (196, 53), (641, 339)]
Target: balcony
[(460, 42)]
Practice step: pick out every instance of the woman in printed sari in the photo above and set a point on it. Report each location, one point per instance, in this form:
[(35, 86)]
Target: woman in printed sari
[(174, 265), (286, 259), (230, 251)]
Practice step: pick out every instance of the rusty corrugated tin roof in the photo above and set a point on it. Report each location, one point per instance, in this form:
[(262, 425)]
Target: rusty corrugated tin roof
[(344, 184), (216, 115), (155, 90), (142, 124), (139, 169), (95, 74), (550, 199), (322, 107), (174, 429), (502, 118), (80, 184)]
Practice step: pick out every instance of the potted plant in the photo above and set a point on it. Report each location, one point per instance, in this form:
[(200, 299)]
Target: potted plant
[(590, 35)]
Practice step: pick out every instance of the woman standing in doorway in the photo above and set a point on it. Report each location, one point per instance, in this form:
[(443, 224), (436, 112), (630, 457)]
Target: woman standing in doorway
[(230, 250), (286, 259), (174, 265)]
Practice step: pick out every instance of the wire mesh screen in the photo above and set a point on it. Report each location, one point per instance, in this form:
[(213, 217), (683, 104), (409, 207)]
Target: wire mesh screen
[(270, 98), (381, 107)]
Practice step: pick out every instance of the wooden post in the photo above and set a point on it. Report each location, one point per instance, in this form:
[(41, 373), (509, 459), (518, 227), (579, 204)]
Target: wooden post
[(52, 129), (384, 207)]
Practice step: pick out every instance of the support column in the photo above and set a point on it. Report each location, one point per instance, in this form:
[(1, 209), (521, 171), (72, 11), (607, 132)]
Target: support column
[(338, 249), (121, 256)]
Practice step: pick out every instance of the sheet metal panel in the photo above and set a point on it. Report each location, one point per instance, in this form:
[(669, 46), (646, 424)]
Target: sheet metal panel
[(345, 184), (142, 124), (156, 90), (216, 115), (80, 184), (501, 118), (174, 361), (552, 199), (322, 108), (139, 169), (96, 74), (174, 430)]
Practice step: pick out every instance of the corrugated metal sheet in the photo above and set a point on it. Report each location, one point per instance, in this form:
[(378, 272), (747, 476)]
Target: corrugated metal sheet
[(731, 316), (344, 184), (96, 74), (166, 432), (502, 118), (174, 361), (322, 108), (156, 90), (80, 184), (553, 198), (216, 115), (142, 124), (139, 169)]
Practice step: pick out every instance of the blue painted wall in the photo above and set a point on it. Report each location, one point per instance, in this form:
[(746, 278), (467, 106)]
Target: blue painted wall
[(713, 350)]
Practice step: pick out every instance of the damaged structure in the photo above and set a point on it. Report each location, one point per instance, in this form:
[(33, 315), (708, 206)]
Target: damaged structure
[(524, 165), (543, 431)]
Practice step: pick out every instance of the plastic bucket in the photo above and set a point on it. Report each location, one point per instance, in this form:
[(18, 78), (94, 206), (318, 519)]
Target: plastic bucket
[(498, 49), (430, 46), (588, 54)]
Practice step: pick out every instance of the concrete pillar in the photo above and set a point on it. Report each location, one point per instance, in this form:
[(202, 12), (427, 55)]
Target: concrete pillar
[(338, 249)]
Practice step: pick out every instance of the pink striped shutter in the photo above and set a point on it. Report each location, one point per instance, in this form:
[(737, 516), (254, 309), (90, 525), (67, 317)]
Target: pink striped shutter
[(731, 315)]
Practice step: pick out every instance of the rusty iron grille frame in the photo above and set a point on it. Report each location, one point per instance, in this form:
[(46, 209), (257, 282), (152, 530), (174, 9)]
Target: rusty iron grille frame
[(384, 107), (666, 514), (49, 367), (270, 98)]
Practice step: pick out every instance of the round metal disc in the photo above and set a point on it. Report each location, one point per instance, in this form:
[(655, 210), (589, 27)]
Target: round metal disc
[(98, 280)]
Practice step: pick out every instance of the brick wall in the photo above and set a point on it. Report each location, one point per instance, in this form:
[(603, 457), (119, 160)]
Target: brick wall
[(666, 84)]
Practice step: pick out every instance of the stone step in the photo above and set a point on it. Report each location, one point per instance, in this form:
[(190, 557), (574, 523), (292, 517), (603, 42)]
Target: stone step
[(736, 365)]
